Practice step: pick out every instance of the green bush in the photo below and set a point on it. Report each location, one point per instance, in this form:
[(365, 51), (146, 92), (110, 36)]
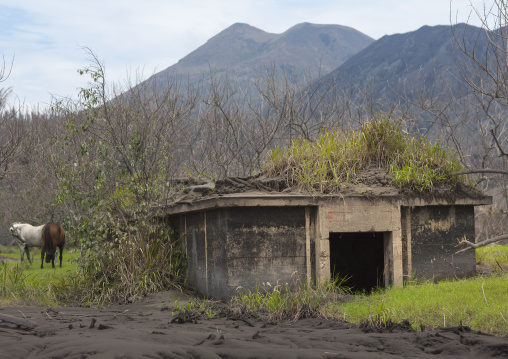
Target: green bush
[(145, 260)]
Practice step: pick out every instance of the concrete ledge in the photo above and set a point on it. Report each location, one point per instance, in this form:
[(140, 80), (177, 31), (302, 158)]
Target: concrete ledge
[(262, 199)]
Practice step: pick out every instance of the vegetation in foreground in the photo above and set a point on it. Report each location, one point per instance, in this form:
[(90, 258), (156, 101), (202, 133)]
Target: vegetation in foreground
[(25, 283), (334, 158), (495, 257), (146, 261), (478, 302)]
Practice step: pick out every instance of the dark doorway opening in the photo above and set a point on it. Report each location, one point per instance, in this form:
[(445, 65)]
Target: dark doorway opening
[(359, 256)]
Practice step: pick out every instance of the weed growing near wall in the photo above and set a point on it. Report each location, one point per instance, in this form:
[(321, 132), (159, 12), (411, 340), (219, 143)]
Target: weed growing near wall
[(143, 261), (285, 302)]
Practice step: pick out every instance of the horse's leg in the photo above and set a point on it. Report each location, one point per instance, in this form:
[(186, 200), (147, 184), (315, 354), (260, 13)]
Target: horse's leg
[(27, 250), (61, 250), (53, 259), (42, 258)]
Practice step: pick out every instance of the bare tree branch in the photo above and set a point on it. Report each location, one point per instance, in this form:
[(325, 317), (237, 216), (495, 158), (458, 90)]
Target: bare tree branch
[(480, 244)]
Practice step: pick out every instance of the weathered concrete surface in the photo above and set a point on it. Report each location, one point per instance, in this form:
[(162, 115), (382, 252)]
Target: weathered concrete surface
[(431, 236), (245, 248), (263, 199), (362, 215), (245, 240), (266, 245)]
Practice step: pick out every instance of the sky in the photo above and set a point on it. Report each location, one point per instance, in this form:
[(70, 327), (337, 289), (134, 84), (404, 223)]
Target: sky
[(44, 41)]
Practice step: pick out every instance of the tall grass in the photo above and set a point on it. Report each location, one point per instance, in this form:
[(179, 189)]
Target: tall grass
[(495, 257), (479, 303), (334, 158), (145, 261), (140, 263), (25, 283), (283, 301)]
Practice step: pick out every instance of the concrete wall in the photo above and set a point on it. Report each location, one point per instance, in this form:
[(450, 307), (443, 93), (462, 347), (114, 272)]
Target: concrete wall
[(430, 237), (247, 241), (245, 247), (266, 244)]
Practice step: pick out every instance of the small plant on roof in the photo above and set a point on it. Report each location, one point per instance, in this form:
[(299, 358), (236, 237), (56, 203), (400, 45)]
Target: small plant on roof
[(334, 158)]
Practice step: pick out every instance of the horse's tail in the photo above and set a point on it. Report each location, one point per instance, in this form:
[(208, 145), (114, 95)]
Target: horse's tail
[(46, 238)]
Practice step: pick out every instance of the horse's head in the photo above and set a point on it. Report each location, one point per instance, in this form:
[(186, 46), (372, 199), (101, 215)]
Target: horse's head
[(16, 232), (49, 257)]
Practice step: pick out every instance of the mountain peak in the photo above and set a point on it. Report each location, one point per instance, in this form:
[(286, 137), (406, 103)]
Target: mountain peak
[(244, 31), (240, 26), (245, 49)]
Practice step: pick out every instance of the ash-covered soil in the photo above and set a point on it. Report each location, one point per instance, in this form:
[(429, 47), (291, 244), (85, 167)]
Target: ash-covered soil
[(146, 329)]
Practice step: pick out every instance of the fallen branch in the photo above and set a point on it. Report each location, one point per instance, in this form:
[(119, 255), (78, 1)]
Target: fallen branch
[(480, 244), (20, 322), (481, 170)]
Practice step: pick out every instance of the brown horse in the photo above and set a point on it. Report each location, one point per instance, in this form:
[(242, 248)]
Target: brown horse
[(53, 236)]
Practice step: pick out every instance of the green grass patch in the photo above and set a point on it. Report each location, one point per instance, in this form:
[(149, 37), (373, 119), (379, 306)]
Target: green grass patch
[(478, 302), (9, 252), (332, 160), (25, 283), (494, 256)]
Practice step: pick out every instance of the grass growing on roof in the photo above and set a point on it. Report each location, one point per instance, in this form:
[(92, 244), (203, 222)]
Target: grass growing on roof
[(333, 159)]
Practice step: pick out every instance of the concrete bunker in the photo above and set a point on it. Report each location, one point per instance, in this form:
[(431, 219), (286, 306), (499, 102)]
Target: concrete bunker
[(245, 240)]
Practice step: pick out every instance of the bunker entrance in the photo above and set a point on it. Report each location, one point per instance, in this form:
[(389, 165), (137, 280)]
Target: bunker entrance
[(359, 256)]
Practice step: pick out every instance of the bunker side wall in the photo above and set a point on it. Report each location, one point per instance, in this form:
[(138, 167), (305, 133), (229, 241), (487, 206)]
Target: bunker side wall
[(431, 241), (405, 219), (266, 245), (192, 225), (216, 255), (247, 247), (205, 246)]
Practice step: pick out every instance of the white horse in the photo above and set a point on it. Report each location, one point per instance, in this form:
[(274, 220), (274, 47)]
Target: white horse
[(27, 236)]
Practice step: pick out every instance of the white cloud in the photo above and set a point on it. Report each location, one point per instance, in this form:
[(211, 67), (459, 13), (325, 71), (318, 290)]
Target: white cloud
[(154, 34)]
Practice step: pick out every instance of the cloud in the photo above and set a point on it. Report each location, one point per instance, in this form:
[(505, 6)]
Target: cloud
[(153, 34)]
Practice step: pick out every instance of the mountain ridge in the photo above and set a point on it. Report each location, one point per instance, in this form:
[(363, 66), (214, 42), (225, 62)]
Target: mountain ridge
[(244, 49), (429, 52)]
